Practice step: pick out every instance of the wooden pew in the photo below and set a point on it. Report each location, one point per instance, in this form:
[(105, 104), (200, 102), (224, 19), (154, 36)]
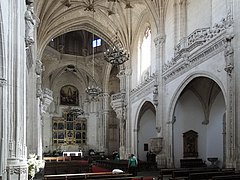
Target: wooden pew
[(165, 173), (227, 177), (184, 173), (89, 176), (208, 175), (65, 167)]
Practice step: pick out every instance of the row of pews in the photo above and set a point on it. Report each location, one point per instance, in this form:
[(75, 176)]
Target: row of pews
[(89, 176), (199, 174), (65, 168)]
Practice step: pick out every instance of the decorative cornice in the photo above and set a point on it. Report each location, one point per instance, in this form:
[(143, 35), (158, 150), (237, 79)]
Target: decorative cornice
[(191, 52), (196, 58)]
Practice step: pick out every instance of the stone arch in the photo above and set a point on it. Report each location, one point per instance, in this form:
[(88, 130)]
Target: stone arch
[(145, 128), (204, 125), (186, 81)]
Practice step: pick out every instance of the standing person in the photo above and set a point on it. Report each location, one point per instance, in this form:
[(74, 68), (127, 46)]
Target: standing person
[(132, 165)]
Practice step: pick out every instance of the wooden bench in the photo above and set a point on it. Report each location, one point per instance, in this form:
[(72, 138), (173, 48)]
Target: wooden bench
[(208, 175), (65, 167), (226, 177), (89, 176), (165, 173), (184, 174)]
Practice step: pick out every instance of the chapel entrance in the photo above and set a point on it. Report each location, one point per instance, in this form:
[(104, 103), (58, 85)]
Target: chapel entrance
[(199, 123)]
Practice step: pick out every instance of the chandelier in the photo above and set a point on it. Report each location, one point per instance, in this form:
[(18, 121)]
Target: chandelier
[(116, 55), (93, 90)]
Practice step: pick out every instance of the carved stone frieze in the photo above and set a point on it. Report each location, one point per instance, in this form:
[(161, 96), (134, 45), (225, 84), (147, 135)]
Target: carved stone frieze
[(142, 90), (190, 50), (16, 170), (144, 83), (193, 60)]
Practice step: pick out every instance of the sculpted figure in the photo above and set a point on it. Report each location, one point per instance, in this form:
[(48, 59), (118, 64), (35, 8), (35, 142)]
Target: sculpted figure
[(30, 22)]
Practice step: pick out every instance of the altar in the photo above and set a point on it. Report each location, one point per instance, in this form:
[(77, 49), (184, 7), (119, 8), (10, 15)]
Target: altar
[(76, 153)]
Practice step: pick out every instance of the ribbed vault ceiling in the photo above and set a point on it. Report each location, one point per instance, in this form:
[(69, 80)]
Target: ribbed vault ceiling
[(110, 16)]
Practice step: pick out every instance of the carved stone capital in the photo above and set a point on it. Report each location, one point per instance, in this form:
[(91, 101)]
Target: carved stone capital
[(3, 82), (160, 40)]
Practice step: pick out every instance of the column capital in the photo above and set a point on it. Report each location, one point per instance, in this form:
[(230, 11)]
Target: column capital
[(3, 82), (160, 40)]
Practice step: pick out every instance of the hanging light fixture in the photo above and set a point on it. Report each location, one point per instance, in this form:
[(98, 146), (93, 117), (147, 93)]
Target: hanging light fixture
[(116, 55), (92, 90)]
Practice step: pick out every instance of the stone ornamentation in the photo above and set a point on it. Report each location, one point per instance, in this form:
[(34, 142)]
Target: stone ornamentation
[(31, 21), (228, 53), (155, 95), (186, 56), (3, 81)]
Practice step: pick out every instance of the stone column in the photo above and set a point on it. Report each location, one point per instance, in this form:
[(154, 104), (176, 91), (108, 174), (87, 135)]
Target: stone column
[(3, 124), (121, 112), (158, 94), (16, 167), (117, 103), (230, 104), (104, 124), (158, 97), (129, 143)]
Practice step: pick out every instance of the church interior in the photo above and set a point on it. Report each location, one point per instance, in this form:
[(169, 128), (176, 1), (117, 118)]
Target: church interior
[(90, 82)]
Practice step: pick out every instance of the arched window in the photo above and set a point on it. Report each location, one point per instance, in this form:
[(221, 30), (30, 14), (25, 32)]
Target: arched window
[(144, 55)]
